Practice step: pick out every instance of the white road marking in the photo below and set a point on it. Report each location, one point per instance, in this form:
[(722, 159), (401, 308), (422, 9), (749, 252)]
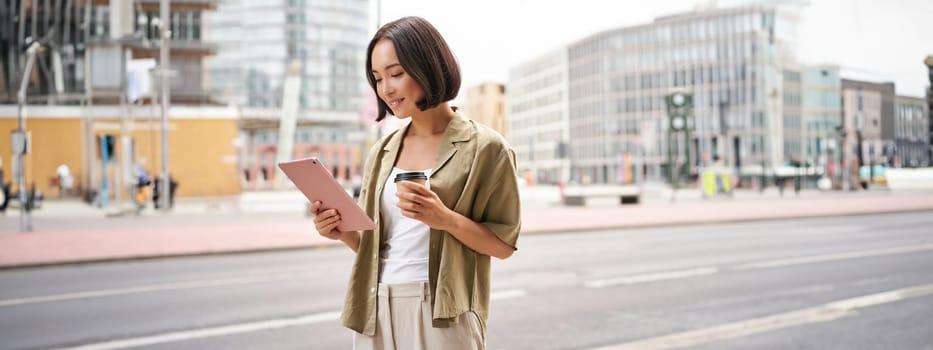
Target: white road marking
[(835, 256), (211, 332), (709, 270), (243, 328), (823, 313), (601, 283), (150, 288), (651, 277), (507, 294)]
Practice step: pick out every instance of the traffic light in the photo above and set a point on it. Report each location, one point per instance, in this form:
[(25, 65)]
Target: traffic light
[(679, 114), (679, 109)]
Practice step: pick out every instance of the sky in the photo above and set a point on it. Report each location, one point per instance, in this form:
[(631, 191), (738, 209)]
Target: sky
[(884, 39)]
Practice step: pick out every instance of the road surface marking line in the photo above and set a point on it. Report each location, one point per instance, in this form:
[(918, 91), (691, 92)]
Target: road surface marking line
[(651, 277), (507, 294), (145, 289), (210, 332), (835, 256), (243, 328), (824, 313)]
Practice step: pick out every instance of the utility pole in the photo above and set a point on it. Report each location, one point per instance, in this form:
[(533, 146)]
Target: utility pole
[(90, 138), (843, 149), (724, 131), (89, 96), (859, 125), (164, 35), (20, 141), (120, 180)]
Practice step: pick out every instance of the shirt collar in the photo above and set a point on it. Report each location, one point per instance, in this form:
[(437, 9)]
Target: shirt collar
[(458, 130)]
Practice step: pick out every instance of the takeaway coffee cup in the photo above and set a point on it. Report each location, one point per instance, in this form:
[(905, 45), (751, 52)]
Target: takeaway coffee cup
[(413, 176)]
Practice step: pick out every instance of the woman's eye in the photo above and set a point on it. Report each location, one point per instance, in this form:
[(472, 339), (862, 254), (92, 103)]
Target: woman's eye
[(396, 75), (378, 80)]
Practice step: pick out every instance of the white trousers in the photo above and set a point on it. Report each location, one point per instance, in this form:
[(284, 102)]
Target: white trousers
[(403, 322)]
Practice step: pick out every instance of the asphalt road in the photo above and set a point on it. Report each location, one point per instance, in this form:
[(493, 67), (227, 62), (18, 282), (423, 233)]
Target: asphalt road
[(862, 282)]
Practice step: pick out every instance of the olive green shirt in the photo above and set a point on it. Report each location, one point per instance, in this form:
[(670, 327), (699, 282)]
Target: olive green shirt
[(474, 175)]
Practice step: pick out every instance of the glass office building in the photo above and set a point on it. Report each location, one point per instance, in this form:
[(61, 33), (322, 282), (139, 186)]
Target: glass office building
[(538, 116), (732, 60), (60, 76), (822, 118), (257, 41)]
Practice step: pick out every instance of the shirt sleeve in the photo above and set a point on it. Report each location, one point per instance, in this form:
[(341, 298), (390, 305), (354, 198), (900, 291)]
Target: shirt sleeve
[(366, 176), (501, 206)]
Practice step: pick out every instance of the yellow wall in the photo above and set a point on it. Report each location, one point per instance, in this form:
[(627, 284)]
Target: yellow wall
[(54, 142), (202, 155)]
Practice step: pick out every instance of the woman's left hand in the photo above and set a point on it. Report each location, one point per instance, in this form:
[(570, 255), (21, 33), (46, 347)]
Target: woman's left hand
[(420, 203)]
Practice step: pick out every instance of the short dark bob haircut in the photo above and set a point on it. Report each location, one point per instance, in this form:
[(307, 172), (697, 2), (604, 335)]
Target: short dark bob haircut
[(423, 54)]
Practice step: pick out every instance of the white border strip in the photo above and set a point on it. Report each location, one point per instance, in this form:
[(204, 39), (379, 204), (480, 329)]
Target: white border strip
[(651, 277), (242, 328), (836, 256), (823, 313), (507, 294), (211, 332), (220, 282)]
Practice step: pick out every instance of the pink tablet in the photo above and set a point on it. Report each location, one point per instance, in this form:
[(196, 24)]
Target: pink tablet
[(317, 184)]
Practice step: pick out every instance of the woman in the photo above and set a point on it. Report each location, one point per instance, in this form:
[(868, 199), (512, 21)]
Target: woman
[(421, 279)]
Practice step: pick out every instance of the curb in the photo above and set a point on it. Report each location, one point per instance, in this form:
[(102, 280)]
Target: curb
[(162, 256), (723, 221), (593, 228)]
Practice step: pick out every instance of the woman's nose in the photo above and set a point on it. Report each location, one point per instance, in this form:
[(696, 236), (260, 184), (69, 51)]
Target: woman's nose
[(387, 88)]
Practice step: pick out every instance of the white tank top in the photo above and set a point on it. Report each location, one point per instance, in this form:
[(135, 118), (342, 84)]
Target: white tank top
[(404, 253)]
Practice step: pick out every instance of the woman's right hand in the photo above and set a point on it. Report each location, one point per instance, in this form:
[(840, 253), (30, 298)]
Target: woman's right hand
[(326, 221)]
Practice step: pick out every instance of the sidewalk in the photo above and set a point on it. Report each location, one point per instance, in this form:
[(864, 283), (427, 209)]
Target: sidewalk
[(73, 232)]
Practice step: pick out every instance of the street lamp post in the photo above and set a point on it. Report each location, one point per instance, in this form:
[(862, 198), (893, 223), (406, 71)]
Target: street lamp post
[(843, 149), (165, 33), (20, 140), (724, 131)]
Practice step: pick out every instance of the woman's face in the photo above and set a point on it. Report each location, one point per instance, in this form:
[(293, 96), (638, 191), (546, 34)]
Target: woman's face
[(395, 87)]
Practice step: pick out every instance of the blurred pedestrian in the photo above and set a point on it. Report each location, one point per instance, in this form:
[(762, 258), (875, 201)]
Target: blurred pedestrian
[(65, 180), (143, 183), (467, 211)]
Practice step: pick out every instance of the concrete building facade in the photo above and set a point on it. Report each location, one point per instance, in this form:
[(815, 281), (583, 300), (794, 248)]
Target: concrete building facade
[(486, 103), (537, 100), (868, 120), (731, 59), (911, 146)]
